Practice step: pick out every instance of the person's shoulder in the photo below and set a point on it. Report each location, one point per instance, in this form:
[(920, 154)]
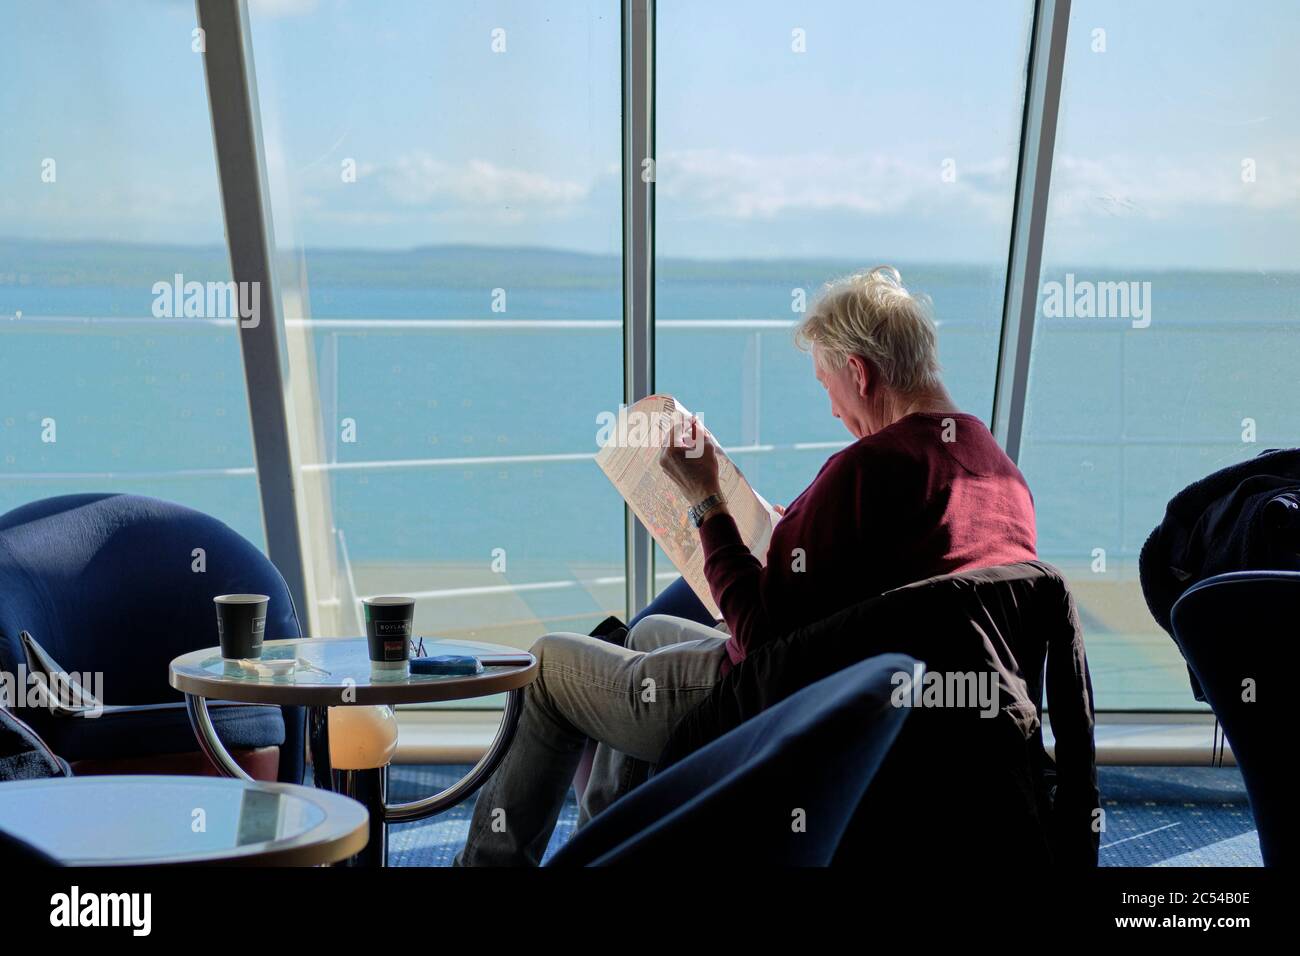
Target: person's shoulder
[(881, 456), (843, 465), (961, 438), (912, 437), (913, 445)]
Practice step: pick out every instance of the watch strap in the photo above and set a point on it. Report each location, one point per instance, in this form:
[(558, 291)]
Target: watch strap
[(698, 512)]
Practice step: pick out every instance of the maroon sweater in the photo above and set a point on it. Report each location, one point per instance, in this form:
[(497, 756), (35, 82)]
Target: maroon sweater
[(895, 507)]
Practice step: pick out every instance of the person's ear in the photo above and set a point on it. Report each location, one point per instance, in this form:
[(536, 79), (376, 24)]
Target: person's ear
[(861, 375)]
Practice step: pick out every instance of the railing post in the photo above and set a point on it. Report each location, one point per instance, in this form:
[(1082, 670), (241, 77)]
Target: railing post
[(638, 259), (751, 387)]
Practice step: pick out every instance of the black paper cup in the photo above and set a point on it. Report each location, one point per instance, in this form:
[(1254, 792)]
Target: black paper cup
[(388, 630), (241, 624)]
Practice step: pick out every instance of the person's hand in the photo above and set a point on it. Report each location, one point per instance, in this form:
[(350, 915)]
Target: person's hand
[(690, 459), (779, 509)]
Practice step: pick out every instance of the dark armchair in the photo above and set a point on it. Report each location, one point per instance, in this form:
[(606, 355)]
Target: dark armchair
[(955, 783), (778, 790), (1235, 631), (120, 585)]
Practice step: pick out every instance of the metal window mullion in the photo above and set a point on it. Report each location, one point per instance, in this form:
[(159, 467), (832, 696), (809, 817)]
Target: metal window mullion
[(1029, 219), (236, 132), (638, 260)]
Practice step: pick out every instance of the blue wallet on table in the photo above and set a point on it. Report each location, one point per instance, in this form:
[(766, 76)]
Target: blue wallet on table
[(444, 665)]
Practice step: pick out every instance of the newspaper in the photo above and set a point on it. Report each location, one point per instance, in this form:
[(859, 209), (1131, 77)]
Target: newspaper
[(630, 459)]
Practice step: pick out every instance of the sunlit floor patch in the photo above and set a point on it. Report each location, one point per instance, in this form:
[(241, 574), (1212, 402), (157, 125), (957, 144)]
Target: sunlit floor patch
[(1176, 816)]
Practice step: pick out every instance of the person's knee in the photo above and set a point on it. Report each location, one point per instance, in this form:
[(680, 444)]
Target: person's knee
[(646, 634), (557, 656), (548, 646), (558, 651)]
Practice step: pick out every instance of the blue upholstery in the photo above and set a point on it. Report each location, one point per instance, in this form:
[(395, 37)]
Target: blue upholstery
[(105, 582), (1237, 627), (735, 800)]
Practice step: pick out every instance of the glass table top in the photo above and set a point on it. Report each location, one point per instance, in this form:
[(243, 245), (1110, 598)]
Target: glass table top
[(334, 671), (143, 819)]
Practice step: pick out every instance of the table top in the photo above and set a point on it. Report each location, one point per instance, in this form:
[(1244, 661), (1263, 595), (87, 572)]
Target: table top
[(336, 671), (153, 820)]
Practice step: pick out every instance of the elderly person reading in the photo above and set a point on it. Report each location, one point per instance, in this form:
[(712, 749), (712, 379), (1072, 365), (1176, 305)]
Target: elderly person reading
[(924, 490)]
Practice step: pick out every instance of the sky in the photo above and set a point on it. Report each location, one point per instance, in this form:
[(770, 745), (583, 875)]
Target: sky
[(891, 135)]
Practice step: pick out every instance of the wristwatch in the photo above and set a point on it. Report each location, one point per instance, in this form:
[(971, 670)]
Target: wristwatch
[(697, 513)]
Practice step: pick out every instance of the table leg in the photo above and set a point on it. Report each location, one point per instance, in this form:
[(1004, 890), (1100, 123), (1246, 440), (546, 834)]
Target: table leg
[(368, 787), (468, 785), (201, 723), (318, 745)]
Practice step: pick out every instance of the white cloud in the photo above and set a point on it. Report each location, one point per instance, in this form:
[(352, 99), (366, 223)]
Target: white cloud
[(744, 186), (1123, 186), (421, 179), (718, 184)]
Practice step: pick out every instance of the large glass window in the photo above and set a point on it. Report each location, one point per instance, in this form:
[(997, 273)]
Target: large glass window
[(1167, 340), (447, 206), (119, 371), (797, 143), (445, 186)]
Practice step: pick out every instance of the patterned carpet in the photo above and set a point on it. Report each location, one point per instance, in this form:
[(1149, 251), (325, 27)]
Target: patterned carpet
[(435, 841), (1177, 816), (1155, 816)]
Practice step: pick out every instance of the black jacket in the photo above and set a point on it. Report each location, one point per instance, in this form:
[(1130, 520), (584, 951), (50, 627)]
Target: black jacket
[(1245, 517), (954, 784)]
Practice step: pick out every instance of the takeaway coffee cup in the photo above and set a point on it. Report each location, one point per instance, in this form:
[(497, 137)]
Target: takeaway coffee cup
[(241, 624), (388, 631)]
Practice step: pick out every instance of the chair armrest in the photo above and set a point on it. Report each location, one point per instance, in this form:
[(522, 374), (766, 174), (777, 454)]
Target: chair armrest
[(143, 730)]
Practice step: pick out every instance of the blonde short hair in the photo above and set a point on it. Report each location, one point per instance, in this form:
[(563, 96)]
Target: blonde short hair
[(874, 316)]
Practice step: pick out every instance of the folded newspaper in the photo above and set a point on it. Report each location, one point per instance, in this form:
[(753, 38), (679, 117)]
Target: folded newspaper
[(629, 456)]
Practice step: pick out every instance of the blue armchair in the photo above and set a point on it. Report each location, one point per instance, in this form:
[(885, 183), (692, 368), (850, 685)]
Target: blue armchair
[(109, 583), (1233, 630), (779, 790)]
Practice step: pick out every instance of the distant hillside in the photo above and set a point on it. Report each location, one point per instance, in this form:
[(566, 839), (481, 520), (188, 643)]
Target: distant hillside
[(55, 264), (133, 265), (99, 263)]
